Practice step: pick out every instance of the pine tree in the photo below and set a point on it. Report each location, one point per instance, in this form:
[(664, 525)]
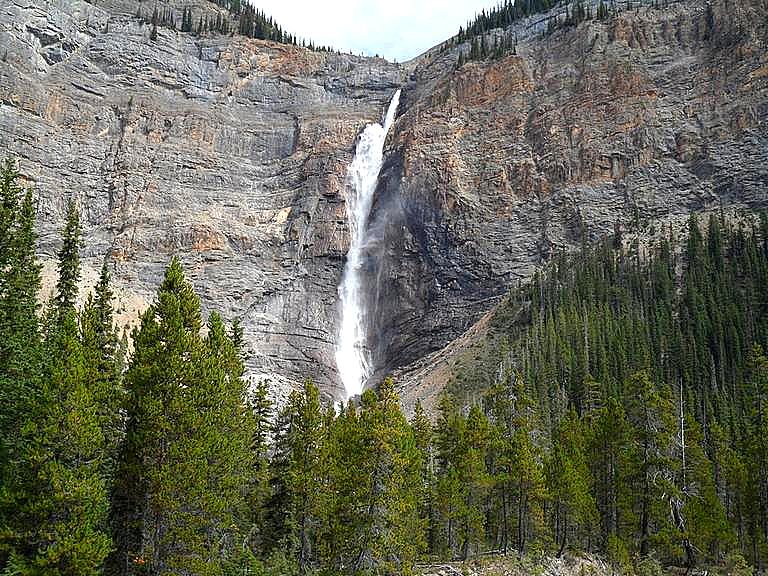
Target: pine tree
[(527, 479), (755, 452), (343, 465), (102, 350), (179, 502), (57, 492), (609, 447), (448, 483), (298, 494), (215, 462), (20, 354), (390, 531), (69, 263), (258, 481), (21, 359), (470, 462), (704, 526), (650, 413), (423, 435), (519, 468), (607, 331), (569, 482)]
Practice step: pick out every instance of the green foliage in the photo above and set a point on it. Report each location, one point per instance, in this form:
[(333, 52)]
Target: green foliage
[(624, 409), (347, 488), (180, 502), (103, 353), (489, 34), (570, 480), (297, 495), (240, 17), (53, 495), (69, 263), (20, 346), (654, 358), (649, 566), (390, 532), (736, 565)]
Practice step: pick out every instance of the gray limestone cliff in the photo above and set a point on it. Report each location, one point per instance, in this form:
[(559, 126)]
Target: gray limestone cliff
[(226, 151)]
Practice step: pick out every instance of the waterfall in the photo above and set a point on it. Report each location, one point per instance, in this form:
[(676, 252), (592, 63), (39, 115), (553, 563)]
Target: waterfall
[(352, 353)]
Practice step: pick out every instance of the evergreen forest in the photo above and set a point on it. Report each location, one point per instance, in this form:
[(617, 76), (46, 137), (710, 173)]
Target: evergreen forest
[(240, 17), (486, 36), (619, 407)]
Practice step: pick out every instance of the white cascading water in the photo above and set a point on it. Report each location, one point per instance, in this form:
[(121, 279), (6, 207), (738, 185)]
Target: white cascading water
[(352, 353)]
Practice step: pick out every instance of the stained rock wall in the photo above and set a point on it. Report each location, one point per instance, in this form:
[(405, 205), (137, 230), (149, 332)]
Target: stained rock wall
[(226, 151), (232, 153), (618, 124)]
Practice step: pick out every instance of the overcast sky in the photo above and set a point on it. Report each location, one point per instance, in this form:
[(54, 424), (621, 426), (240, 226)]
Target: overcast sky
[(395, 29)]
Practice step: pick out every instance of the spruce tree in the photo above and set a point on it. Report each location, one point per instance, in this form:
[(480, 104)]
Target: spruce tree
[(475, 481), (103, 351), (180, 503), (20, 353), (390, 533), (69, 262), (21, 358), (298, 491), (343, 465), (58, 492), (423, 435), (258, 480), (570, 483), (449, 430), (650, 413)]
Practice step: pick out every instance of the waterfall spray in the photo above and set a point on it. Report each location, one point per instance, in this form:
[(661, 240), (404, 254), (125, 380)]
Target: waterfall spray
[(353, 358)]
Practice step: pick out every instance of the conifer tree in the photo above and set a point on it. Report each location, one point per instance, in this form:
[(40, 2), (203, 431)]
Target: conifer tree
[(448, 483), (69, 262), (180, 503), (474, 479), (102, 350), (20, 354), (258, 480), (702, 522), (345, 471), (58, 493), (756, 453), (298, 495), (650, 413), (390, 532), (569, 483), (21, 360), (423, 435), (609, 447), (520, 473)]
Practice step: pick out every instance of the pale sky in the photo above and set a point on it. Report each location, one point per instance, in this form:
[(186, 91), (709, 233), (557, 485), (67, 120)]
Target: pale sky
[(396, 29)]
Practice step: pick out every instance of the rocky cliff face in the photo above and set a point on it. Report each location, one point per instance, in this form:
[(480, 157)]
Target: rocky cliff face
[(228, 152), (627, 123), (232, 154)]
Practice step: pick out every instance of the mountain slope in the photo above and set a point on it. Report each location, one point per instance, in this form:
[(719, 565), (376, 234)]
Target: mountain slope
[(621, 123)]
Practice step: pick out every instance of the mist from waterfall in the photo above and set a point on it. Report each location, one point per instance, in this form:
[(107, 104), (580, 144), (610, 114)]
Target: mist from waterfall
[(353, 357)]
